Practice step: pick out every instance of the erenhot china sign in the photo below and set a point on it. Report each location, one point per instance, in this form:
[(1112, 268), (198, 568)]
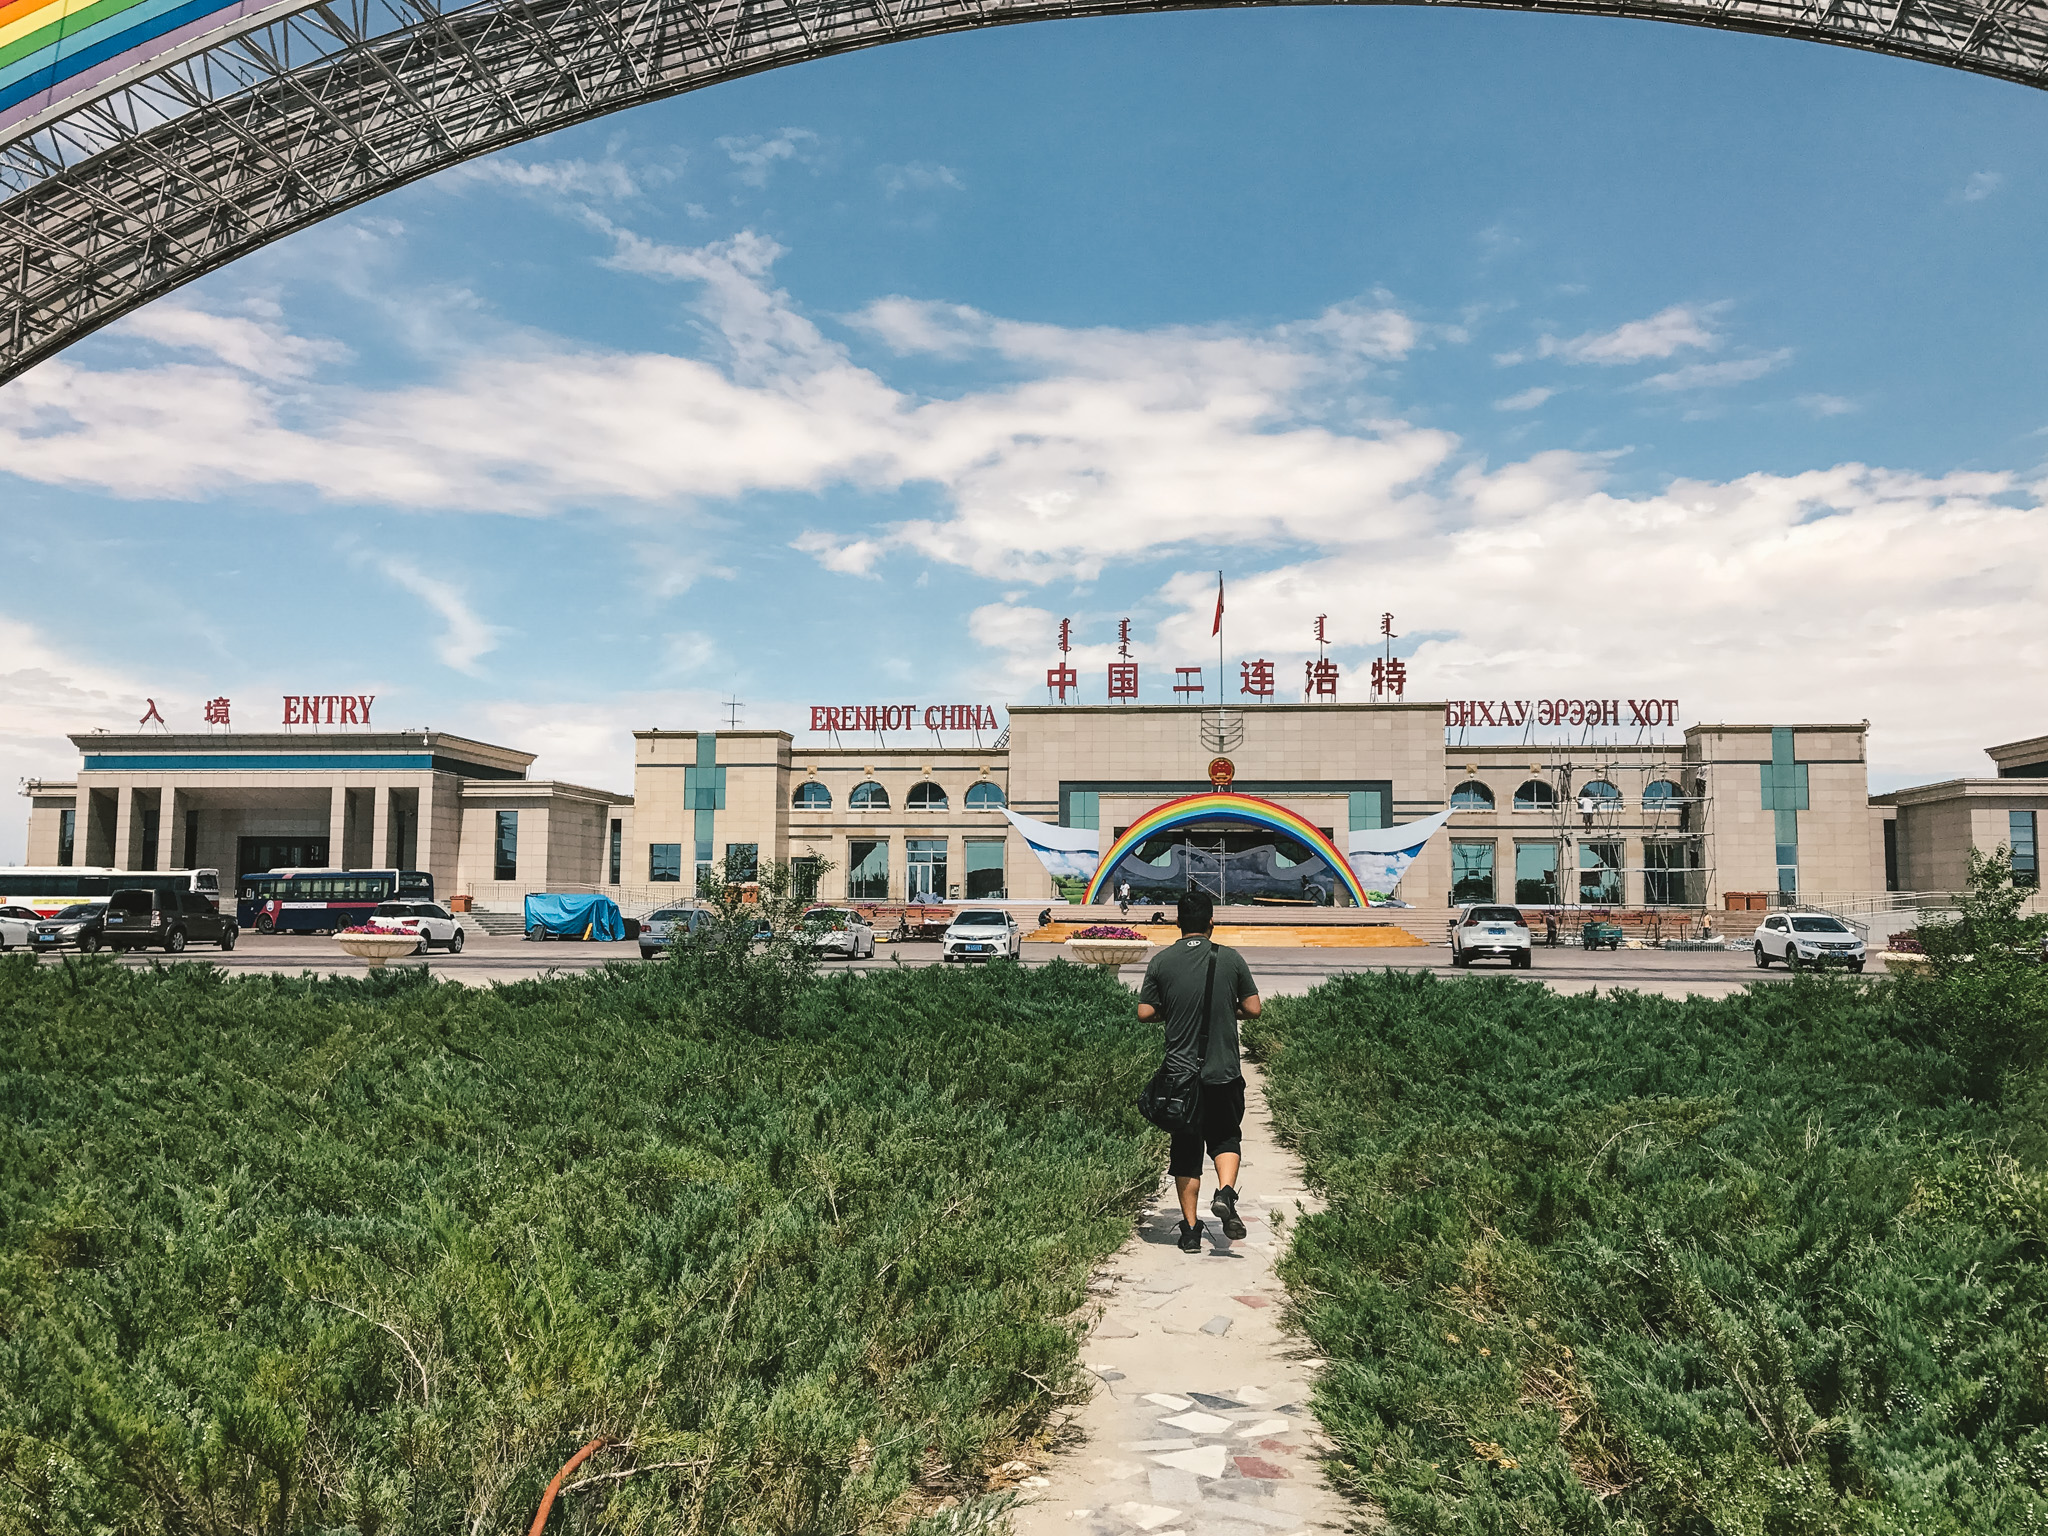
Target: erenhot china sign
[(1560, 712), (903, 717)]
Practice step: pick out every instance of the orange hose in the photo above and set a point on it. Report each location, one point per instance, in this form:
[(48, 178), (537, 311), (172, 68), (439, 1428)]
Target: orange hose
[(547, 1500)]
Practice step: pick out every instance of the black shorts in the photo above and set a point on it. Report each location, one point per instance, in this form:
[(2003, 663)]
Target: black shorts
[(1221, 1129)]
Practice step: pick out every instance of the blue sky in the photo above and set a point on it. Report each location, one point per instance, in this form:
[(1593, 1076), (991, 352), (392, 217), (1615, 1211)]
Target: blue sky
[(1615, 359)]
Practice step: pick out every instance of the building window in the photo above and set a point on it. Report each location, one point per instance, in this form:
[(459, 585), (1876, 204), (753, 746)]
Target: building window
[(665, 862), (1472, 796), (927, 796), (1600, 874), (505, 849), (868, 796), (811, 796), (742, 862), (867, 870), (804, 874), (1891, 855), (1471, 872), (985, 880), (1535, 795), (1369, 808), (2026, 864), (707, 876), (1661, 795), (927, 868), (985, 795), (1668, 865), (67, 837), (1536, 874), (1083, 810), (618, 850)]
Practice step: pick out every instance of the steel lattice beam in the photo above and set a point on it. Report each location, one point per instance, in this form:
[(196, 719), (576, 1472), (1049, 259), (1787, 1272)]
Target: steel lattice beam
[(222, 148)]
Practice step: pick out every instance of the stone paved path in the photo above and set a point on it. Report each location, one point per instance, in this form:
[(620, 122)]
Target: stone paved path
[(1199, 1425)]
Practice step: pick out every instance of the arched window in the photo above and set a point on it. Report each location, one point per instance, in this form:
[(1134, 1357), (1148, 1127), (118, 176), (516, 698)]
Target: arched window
[(868, 796), (927, 796), (1598, 789), (1535, 795), (1471, 796), (811, 796), (1659, 794), (985, 795)]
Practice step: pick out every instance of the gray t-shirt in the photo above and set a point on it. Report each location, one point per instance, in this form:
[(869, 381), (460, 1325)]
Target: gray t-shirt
[(1173, 985)]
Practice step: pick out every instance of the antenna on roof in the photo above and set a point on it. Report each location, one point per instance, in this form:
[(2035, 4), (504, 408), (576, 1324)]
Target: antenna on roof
[(733, 706)]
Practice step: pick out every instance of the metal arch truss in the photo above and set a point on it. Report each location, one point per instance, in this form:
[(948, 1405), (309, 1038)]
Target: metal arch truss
[(155, 178)]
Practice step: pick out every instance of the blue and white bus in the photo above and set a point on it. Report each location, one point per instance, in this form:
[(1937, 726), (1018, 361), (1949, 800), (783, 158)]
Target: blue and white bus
[(322, 900)]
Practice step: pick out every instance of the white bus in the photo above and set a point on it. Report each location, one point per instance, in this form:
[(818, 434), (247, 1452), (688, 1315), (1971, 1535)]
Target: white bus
[(49, 890)]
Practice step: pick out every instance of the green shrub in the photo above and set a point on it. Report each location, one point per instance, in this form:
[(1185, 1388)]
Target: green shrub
[(1759, 1265), (297, 1255)]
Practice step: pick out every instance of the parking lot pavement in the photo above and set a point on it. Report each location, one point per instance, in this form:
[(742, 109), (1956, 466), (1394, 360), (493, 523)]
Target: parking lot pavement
[(1279, 972)]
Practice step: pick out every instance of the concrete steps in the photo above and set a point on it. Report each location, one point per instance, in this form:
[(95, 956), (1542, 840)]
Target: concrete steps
[(498, 925)]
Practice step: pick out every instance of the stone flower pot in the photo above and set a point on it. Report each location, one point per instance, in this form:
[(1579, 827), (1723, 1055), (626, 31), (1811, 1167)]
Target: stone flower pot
[(1108, 953), (1901, 963), (376, 950)]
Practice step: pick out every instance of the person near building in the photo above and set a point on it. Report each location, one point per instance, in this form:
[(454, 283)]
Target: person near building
[(1123, 899), (1176, 983)]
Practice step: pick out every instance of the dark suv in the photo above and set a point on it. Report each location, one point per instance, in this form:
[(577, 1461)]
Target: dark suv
[(138, 918)]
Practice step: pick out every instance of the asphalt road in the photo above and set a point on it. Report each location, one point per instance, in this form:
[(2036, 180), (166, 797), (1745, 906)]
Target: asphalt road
[(1279, 971)]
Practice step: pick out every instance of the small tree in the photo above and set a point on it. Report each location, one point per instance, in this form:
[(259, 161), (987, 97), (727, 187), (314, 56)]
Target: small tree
[(752, 958), (1985, 996)]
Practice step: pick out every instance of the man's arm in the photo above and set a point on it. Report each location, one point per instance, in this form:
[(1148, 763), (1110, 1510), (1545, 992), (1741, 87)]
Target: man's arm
[(1247, 1007), (1147, 1013)]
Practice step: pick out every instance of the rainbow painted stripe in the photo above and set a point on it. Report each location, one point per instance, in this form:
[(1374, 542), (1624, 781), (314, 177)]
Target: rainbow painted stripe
[(49, 48), (1244, 810)]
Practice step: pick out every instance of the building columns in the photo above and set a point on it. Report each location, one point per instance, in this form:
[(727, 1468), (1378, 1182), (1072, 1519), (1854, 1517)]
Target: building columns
[(124, 827), (382, 855), (337, 829), (171, 852)]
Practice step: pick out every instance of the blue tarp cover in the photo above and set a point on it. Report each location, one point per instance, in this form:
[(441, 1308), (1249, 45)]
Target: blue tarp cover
[(575, 917)]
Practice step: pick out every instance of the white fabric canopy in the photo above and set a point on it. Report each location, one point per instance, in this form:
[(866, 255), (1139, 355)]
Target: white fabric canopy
[(1068, 853)]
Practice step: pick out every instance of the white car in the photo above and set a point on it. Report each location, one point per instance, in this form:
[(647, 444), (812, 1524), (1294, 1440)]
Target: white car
[(667, 924), (981, 933), (433, 923), (838, 931), (1807, 938), (15, 923), (1491, 933)]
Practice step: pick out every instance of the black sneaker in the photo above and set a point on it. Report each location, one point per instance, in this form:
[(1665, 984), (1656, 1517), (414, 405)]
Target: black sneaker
[(1225, 1207), (1191, 1238)]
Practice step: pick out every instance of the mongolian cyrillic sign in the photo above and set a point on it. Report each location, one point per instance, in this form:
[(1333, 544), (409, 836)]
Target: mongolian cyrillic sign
[(903, 717), (1514, 712)]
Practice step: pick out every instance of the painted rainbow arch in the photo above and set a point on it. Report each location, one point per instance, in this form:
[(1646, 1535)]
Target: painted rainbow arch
[(1245, 811)]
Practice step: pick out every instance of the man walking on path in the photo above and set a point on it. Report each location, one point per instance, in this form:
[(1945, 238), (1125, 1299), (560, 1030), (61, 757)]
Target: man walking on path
[(1176, 982)]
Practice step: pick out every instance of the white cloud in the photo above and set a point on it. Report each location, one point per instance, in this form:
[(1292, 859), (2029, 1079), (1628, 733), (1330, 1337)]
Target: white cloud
[(1095, 448), (918, 176), (607, 178), (757, 155), (1827, 405), (466, 635), (1527, 400), (1981, 185), (1661, 335), (1735, 370), (257, 345)]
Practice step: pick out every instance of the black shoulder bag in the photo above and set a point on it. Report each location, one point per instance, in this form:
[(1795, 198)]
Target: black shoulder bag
[(1173, 1100)]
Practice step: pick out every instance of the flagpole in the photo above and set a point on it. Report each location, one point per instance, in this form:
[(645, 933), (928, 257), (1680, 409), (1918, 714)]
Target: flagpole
[(1219, 651)]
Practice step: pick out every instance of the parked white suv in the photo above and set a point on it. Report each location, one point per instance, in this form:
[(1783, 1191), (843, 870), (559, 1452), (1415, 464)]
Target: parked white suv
[(982, 934), (15, 925), (1491, 933), (1807, 938), (434, 923), (839, 931)]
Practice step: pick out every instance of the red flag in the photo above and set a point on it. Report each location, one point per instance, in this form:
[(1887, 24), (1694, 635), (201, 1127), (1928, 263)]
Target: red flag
[(1217, 627)]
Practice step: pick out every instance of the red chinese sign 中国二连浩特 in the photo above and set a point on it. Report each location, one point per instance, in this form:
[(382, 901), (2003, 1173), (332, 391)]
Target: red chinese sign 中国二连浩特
[(1518, 712), (903, 717), (328, 708)]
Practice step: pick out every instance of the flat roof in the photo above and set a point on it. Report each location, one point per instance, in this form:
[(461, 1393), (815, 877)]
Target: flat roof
[(239, 751)]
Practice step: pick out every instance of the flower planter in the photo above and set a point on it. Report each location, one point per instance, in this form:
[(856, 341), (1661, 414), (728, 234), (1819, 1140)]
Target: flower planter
[(377, 950), (1108, 953), (1899, 962)]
